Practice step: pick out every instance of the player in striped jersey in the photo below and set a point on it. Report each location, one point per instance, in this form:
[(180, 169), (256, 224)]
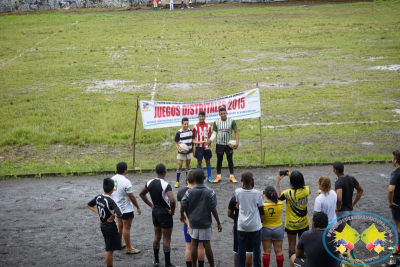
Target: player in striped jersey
[(201, 132), (183, 136), (222, 130)]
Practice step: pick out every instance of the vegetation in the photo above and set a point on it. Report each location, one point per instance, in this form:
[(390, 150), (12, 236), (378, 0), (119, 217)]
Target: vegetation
[(69, 83)]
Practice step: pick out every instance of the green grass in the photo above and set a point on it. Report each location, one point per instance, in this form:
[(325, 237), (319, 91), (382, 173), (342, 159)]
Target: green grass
[(60, 112)]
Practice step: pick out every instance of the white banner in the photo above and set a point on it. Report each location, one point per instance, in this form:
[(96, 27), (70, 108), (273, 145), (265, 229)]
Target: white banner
[(159, 114)]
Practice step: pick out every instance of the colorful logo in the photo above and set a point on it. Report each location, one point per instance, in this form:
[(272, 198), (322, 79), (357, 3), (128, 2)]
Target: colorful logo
[(377, 234), (145, 106)]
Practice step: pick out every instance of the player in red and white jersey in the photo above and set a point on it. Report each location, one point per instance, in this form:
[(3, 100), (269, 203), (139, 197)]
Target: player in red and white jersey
[(201, 132)]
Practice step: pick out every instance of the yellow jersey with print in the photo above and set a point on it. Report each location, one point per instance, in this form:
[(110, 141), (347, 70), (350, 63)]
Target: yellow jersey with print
[(272, 214), (296, 207)]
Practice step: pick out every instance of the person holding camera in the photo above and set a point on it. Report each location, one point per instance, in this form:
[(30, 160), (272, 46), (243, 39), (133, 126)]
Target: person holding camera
[(296, 221)]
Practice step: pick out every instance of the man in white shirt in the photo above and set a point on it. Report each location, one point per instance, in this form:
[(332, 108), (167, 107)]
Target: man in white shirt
[(123, 196), (251, 214)]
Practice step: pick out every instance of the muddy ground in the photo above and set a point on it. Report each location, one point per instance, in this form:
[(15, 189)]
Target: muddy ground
[(45, 221)]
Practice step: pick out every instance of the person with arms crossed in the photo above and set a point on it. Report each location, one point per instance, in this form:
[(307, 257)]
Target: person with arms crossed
[(296, 220), (163, 208), (188, 239), (199, 203), (394, 195), (123, 196), (202, 132), (222, 130), (311, 251), (107, 209), (272, 230), (183, 136), (251, 214)]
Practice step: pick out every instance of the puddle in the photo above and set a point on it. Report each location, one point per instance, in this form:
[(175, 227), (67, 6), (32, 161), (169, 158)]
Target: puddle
[(112, 86), (386, 67), (287, 57), (278, 84), (256, 69), (166, 143), (367, 143), (371, 58), (187, 86), (334, 81)]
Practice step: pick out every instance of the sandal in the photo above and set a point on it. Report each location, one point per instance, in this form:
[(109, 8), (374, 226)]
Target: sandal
[(133, 251)]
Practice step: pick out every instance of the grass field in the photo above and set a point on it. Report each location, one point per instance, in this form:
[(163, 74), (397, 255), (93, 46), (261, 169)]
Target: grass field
[(328, 77)]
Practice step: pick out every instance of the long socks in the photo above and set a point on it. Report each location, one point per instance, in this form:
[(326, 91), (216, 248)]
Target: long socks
[(156, 250), (199, 167), (266, 259), (178, 175), (188, 264), (279, 260), (167, 255), (201, 263), (209, 172)]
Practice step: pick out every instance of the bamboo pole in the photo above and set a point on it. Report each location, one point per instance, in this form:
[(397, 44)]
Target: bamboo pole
[(261, 142), (134, 133)]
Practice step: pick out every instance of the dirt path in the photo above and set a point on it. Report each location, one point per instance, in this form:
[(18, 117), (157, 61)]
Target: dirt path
[(45, 221)]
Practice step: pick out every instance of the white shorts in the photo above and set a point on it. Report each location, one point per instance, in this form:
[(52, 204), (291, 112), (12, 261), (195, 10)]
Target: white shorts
[(184, 157), (201, 234)]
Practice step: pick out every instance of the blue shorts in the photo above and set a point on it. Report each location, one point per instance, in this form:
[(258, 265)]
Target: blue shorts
[(188, 239), (203, 153)]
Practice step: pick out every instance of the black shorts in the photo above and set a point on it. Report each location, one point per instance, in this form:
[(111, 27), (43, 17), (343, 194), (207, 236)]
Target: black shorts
[(296, 232), (127, 216), (111, 236), (396, 213), (161, 218), (203, 153), (221, 149), (249, 245)]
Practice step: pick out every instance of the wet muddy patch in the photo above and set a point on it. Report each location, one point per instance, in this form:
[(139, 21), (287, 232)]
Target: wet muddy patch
[(394, 67)]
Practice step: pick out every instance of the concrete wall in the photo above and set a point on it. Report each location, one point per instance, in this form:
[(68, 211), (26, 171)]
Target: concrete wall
[(34, 5)]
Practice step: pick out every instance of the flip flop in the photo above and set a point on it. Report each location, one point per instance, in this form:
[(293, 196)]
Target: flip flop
[(133, 251), (123, 246)]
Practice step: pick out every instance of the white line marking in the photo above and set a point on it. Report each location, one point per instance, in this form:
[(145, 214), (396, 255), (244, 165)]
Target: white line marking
[(23, 52), (325, 124), (153, 93)]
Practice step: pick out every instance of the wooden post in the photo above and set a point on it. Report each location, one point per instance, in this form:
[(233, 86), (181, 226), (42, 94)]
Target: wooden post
[(134, 132), (261, 143)]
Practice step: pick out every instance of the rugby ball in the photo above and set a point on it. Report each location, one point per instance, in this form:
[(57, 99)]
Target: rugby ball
[(231, 143), (183, 147)]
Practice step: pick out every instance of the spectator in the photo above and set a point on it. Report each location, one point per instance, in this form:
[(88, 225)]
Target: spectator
[(296, 221)]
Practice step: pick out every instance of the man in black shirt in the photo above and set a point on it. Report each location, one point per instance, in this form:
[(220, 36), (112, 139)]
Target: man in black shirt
[(344, 187), (163, 208), (394, 195), (107, 210), (310, 249)]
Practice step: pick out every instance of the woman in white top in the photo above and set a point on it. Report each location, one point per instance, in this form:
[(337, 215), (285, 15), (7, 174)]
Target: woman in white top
[(326, 201)]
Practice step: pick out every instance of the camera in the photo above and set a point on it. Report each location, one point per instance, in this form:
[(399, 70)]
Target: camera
[(284, 172)]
